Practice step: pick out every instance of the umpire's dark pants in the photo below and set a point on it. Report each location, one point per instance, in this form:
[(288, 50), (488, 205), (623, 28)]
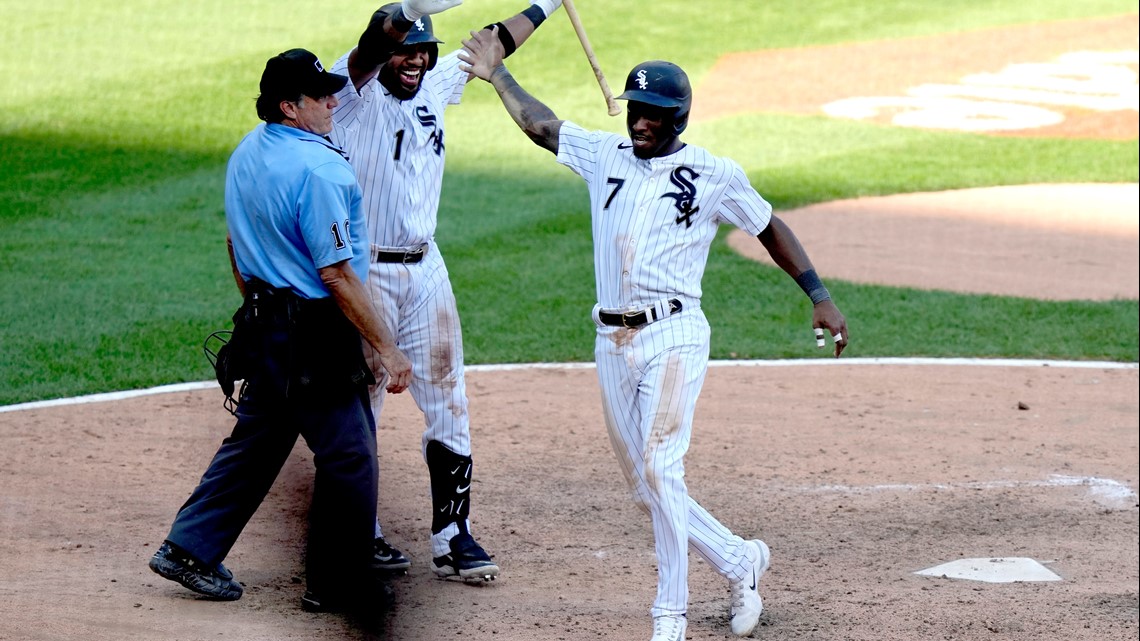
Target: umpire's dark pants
[(339, 429)]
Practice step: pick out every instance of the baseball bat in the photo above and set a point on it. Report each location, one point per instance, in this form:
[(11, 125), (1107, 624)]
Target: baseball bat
[(572, 13)]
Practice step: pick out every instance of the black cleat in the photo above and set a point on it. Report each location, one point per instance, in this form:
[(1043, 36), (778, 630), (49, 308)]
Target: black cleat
[(386, 558), (467, 560), (216, 583)]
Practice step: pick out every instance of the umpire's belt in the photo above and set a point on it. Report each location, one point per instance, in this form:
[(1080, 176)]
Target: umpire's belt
[(639, 318), (405, 256)]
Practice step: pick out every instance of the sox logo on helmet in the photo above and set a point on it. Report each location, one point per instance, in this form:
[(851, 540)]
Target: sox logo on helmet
[(661, 84)]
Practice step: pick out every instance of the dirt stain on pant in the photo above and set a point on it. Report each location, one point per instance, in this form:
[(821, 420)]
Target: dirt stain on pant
[(442, 371), (621, 451), (622, 337), (666, 419)]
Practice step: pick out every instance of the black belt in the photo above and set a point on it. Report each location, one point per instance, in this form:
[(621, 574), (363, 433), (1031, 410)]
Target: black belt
[(405, 257), (634, 320)]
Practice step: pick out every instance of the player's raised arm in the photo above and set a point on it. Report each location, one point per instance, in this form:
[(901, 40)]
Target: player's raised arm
[(787, 252), (484, 57), (514, 31), (386, 30)]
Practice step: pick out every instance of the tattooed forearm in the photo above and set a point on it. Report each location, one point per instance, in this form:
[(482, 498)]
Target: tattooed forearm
[(532, 116)]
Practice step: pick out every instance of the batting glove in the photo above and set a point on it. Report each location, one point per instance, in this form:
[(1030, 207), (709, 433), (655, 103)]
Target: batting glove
[(548, 6), (415, 9)]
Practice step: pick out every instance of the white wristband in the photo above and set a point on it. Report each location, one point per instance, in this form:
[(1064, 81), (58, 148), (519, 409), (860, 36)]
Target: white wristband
[(411, 15), (548, 6)]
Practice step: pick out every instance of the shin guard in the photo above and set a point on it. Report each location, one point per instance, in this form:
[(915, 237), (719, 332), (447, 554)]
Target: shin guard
[(450, 487)]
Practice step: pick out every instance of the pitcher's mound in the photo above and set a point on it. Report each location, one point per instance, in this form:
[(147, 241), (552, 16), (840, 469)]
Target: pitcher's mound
[(1057, 242)]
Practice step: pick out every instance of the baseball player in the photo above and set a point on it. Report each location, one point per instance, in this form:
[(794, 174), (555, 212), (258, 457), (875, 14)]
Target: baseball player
[(656, 203), (393, 112)]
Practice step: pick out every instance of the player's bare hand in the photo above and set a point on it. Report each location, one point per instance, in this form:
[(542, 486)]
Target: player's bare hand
[(827, 320), (399, 369), (415, 9), (482, 52)]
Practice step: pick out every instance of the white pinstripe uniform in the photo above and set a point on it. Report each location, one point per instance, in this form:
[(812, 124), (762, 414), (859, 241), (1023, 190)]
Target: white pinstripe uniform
[(653, 223), (397, 149)]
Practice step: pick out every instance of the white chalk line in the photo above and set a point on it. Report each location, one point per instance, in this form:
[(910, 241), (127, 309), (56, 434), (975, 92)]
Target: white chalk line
[(815, 362), (1106, 489)]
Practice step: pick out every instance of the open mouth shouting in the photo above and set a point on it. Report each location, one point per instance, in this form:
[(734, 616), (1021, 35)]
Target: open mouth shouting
[(405, 69), (409, 77)]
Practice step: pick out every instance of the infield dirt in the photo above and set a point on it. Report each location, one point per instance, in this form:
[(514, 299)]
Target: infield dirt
[(857, 476)]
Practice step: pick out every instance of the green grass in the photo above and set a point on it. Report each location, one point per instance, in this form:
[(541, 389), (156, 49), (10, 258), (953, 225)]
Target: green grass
[(116, 120)]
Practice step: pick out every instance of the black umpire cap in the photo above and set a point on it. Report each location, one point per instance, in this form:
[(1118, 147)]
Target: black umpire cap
[(298, 71)]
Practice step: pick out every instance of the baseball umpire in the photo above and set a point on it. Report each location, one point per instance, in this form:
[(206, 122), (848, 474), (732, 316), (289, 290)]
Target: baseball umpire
[(394, 110), (295, 225), (656, 204)]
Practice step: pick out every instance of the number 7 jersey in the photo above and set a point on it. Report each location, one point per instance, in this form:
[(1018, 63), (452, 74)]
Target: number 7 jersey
[(654, 220), (396, 148)]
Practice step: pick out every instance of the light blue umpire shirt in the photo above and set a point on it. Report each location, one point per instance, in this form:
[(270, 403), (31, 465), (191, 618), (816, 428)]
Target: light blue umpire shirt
[(293, 206)]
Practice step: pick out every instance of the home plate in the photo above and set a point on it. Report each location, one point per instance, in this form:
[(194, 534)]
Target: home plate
[(994, 570)]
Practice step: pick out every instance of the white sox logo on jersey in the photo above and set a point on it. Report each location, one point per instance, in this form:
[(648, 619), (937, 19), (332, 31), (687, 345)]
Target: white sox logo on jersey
[(428, 120), (683, 199)]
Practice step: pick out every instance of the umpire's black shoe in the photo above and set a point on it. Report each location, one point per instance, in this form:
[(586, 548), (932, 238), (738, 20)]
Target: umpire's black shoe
[(375, 598), (315, 602), (386, 558), (366, 609), (467, 560), (174, 564)]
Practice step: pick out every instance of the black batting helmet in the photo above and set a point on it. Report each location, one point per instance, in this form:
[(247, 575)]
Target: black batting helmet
[(661, 84), (420, 33)]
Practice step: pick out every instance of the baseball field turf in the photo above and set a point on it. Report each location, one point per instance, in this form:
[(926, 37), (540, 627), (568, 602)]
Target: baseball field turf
[(116, 119)]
